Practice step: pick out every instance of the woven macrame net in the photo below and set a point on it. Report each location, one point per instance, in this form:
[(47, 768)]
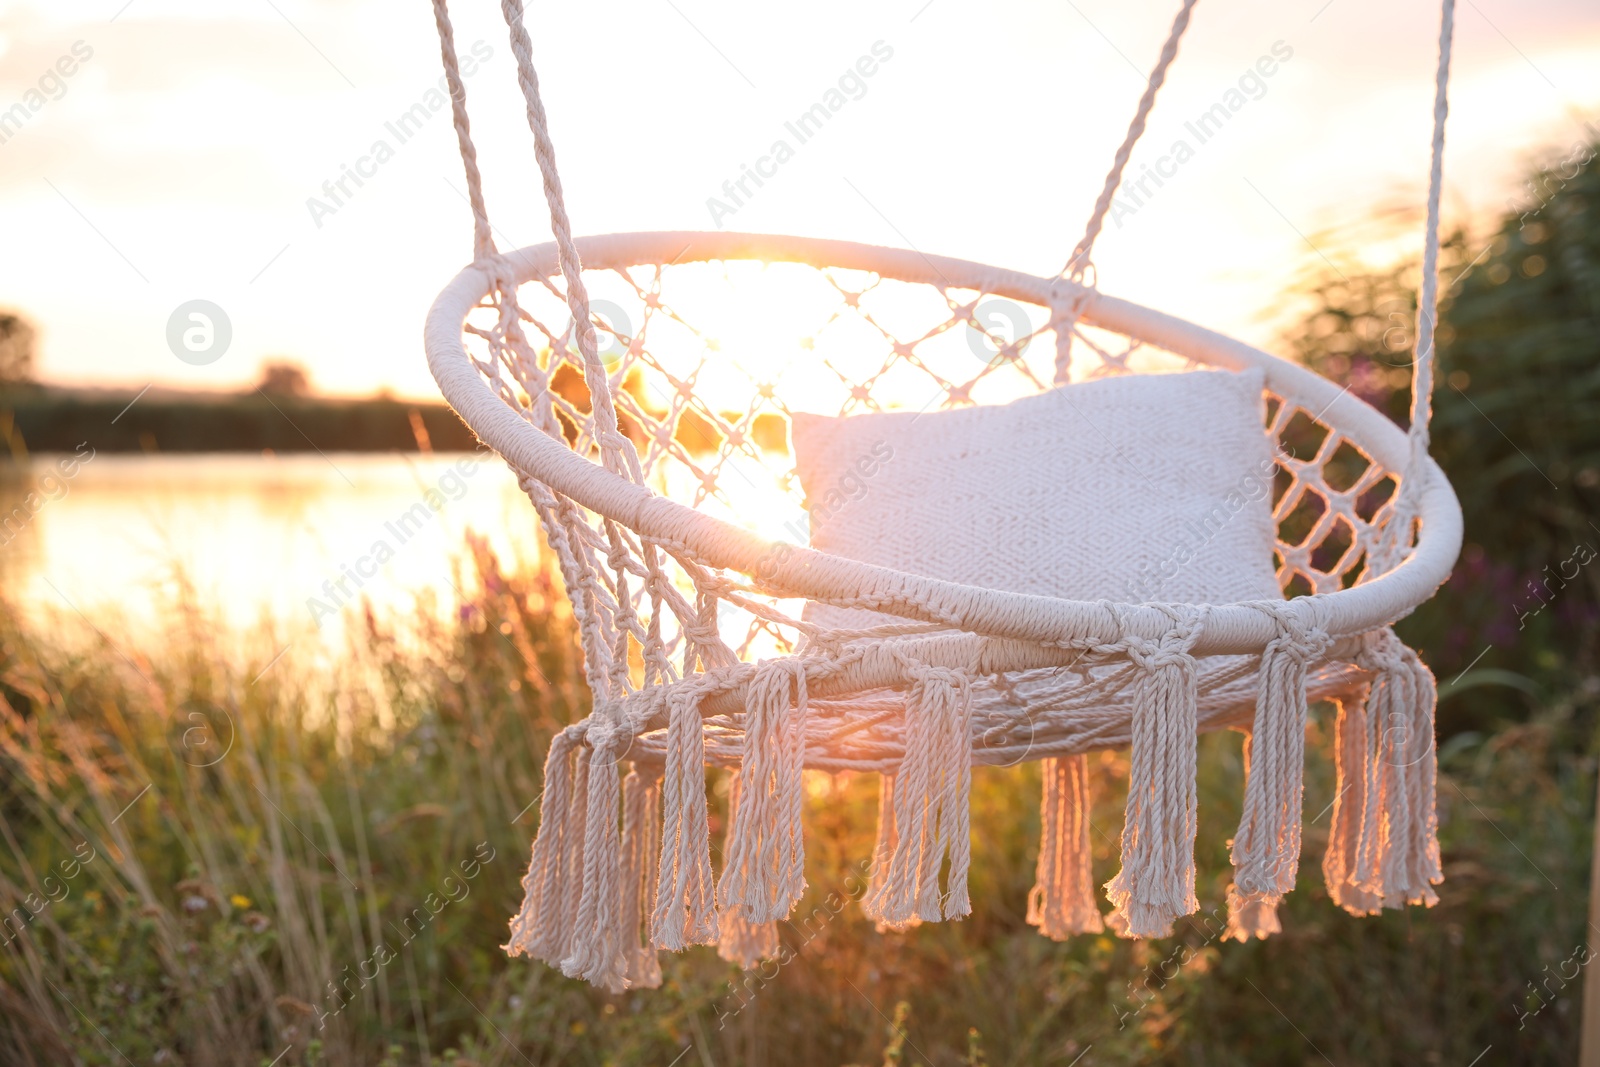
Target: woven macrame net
[(703, 361), (684, 385)]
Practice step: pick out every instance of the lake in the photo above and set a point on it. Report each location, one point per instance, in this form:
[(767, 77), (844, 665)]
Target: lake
[(290, 539)]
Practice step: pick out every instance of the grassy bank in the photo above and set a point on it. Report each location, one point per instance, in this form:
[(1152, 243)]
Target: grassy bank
[(224, 862)]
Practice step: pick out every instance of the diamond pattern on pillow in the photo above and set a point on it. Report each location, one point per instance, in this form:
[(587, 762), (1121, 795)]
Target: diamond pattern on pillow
[(1136, 488)]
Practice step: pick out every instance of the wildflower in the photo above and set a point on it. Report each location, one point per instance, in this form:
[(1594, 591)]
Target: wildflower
[(194, 896)]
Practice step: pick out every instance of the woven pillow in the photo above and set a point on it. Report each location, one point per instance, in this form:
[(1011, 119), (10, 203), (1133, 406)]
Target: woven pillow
[(1134, 489)]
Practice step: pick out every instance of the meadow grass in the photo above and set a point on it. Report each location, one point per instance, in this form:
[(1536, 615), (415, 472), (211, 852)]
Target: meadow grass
[(215, 859)]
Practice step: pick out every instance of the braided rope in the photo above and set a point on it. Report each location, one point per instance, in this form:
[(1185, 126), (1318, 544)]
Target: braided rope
[(1428, 304), (1079, 263), (617, 451), (1394, 541), (482, 238)]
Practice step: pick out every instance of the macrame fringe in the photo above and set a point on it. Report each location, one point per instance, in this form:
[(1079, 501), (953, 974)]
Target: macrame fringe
[(684, 914), (741, 941), (595, 952), (541, 928), (1062, 901), (1156, 883), (641, 856), (589, 885), (882, 859), (1383, 851), (1352, 770), (930, 800), (764, 873), (1266, 849)]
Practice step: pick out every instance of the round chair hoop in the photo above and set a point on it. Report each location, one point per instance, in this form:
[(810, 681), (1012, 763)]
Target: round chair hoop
[(1034, 625)]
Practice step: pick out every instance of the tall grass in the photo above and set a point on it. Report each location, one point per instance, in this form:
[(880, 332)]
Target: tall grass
[(207, 860)]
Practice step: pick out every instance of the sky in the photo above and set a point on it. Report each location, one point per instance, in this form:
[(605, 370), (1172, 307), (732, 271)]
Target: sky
[(184, 157)]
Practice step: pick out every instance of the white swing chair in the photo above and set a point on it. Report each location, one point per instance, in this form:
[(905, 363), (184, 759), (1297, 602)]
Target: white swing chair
[(696, 653)]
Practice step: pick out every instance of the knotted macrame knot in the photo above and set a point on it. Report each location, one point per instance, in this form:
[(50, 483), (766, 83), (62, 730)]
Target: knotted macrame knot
[(1169, 651), (1172, 648), (1304, 642), (618, 555), (923, 674), (1380, 651), (605, 738)]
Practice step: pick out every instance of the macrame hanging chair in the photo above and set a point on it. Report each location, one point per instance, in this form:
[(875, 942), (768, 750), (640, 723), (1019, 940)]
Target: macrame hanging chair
[(632, 383)]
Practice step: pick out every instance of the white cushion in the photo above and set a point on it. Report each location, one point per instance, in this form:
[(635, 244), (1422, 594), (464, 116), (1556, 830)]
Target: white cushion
[(1135, 488)]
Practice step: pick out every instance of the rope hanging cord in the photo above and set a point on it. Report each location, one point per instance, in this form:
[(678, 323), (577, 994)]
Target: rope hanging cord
[(1394, 541), (1079, 263), (1428, 301), (618, 450), (482, 240), (578, 297), (571, 266)]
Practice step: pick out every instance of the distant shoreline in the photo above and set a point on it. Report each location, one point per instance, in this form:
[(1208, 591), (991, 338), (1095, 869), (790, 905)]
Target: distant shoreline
[(45, 419)]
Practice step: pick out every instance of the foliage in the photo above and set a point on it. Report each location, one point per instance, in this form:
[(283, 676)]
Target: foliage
[(1513, 426), (202, 854), (282, 377), (233, 911), (58, 420), (16, 349)]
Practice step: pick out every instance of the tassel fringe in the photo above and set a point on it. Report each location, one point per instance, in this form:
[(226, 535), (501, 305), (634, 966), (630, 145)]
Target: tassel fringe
[(1156, 883), (684, 913), (596, 951), (764, 876), (1352, 774), (1384, 852), (883, 858), (1062, 901), (741, 941), (599, 900), (1266, 849), (641, 856), (540, 929), (930, 798)]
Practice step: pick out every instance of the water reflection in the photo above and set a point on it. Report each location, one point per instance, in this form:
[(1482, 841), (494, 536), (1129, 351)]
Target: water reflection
[(293, 539)]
